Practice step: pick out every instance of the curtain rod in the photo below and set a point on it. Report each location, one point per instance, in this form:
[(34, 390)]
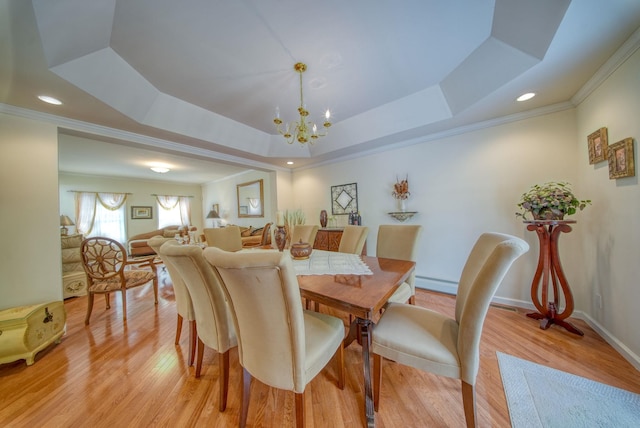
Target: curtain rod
[(180, 196), (93, 191)]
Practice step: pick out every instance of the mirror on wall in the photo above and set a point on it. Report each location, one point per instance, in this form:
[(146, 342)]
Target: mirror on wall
[(251, 199)]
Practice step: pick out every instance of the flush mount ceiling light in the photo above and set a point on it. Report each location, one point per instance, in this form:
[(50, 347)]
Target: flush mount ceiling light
[(50, 100), (525, 97), (301, 131), (159, 169)]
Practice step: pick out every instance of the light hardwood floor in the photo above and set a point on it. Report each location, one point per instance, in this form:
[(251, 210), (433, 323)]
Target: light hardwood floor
[(111, 374)]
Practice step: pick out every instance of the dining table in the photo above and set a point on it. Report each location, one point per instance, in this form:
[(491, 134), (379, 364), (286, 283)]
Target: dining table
[(360, 290)]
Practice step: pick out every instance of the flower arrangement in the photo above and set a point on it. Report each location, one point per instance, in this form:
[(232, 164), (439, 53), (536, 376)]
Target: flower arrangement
[(401, 189), (550, 201)]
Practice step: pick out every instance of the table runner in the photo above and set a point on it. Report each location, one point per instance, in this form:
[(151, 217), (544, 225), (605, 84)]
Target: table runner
[(331, 263)]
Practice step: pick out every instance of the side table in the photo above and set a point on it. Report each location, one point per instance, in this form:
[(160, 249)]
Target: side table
[(549, 267)]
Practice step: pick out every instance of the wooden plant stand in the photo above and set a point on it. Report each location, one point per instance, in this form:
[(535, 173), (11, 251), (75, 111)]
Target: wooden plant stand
[(549, 267)]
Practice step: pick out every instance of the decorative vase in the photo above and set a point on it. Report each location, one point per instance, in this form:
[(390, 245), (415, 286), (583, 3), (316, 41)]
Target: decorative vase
[(402, 205), (323, 218), (281, 237)]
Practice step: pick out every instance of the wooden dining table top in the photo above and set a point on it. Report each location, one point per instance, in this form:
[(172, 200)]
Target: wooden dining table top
[(360, 295)]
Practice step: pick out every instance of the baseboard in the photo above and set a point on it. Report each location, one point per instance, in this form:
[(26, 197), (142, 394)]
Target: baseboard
[(451, 287)]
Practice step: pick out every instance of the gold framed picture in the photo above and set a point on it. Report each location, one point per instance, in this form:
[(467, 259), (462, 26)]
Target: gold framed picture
[(598, 146), (141, 213), (621, 163)]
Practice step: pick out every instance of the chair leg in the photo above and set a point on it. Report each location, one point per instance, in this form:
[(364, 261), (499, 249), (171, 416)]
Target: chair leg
[(245, 389), (412, 300), (89, 308), (469, 404), (124, 304), (199, 359), (223, 362), (340, 361), (107, 300), (179, 330), (300, 416), (193, 336), (377, 380), (155, 289)]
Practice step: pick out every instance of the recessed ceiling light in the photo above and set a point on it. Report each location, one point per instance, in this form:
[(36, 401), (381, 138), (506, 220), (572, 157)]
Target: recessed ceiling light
[(159, 169), (527, 96), (289, 162), (50, 100)]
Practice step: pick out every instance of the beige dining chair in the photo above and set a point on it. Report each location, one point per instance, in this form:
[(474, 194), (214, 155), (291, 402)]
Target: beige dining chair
[(279, 343), (213, 316), (400, 242), (433, 342), (184, 306), (226, 238), (109, 270), (305, 233), (353, 239)]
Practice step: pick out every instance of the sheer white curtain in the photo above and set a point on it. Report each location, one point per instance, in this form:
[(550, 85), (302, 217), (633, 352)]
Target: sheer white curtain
[(101, 214), (173, 210)]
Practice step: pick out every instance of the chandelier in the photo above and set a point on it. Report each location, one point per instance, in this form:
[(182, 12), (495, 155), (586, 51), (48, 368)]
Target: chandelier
[(302, 131)]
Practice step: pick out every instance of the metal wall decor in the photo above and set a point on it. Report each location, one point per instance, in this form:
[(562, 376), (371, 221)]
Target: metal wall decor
[(344, 199)]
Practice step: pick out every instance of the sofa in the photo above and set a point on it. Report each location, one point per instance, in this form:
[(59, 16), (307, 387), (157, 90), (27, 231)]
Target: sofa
[(137, 245), (252, 237)]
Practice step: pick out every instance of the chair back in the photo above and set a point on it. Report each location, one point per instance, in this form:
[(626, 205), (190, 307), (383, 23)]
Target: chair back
[(184, 305), (103, 259), (266, 235), (487, 264), (399, 242), (226, 238), (305, 233), (353, 239), (265, 299), (213, 317)]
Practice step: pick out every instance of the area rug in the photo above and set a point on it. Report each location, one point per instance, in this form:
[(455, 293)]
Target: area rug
[(539, 396)]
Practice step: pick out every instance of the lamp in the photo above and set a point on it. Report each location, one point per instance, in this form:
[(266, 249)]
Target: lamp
[(214, 215), (301, 131), (64, 222)]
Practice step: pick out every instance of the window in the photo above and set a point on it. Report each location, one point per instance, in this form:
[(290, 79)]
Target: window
[(109, 223), (173, 210), (168, 217)]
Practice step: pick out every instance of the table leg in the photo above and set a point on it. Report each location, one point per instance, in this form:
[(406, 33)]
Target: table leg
[(365, 332)]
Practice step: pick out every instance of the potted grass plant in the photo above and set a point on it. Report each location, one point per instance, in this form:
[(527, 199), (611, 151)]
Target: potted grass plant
[(550, 201)]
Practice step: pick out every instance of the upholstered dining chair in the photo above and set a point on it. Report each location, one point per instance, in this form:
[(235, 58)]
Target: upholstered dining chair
[(184, 306), (226, 238), (265, 238), (400, 242), (305, 233), (213, 315), (429, 341), (109, 270), (279, 343), (353, 239)]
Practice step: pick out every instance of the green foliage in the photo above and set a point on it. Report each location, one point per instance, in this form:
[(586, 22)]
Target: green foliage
[(294, 217), (551, 200)]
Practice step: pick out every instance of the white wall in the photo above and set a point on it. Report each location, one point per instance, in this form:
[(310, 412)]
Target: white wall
[(141, 195), (30, 256), (224, 193), (610, 243), (460, 186)]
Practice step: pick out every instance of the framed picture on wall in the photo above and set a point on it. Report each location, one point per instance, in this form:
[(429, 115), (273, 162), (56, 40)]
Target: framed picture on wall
[(138, 213), (344, 199), (598, 146), (621, 163)]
